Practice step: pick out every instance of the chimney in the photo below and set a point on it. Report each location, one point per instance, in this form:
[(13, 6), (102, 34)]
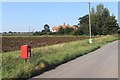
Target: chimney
[(64, 23)]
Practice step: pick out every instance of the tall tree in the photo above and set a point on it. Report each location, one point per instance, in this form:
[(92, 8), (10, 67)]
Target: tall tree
[(110, 26), (92, 11), (105, 14), (46, 28), (101, 22), (100, 9), (84, 20)]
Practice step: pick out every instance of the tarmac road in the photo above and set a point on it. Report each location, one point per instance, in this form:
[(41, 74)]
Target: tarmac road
[(102, 63)]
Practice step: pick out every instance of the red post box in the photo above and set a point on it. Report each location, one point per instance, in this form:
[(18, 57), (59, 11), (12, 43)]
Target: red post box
[(25, 52)]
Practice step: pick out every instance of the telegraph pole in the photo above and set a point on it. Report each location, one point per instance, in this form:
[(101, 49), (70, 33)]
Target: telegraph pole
[(90, 40), (89, 21)]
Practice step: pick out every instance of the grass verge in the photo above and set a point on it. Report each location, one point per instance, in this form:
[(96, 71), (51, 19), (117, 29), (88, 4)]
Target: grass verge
[(48, 57)]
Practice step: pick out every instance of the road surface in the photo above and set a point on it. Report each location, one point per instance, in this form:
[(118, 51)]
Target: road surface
[(102, 63)]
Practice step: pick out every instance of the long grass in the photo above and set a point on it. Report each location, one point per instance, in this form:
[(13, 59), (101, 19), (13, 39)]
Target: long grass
[(48, 57)]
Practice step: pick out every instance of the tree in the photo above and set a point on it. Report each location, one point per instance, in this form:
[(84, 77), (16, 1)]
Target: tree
[(79, 31), (105, 13), (10, 32), (110, 26), (98, 25), (100, 9), (5, 32), (84, 19), (67, 30), (93, 11), (60, 30), (84, 23), (101, 22), (93, 21), (46, 28), (75, 25), (43, 30)]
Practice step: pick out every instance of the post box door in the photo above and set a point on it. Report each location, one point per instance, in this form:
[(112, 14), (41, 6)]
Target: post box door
[(24, 52), (29, 51)]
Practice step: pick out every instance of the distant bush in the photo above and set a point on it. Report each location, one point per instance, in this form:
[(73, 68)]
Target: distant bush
[(38, 33), (54, 33), (77, 32), (49, 33), (60, 30), (44, 33), (10, 32), (5, 32), (68, 30)]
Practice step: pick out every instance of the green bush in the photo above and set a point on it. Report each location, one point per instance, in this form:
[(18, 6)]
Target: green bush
[(60, 30), (38, 33), (49, 33)]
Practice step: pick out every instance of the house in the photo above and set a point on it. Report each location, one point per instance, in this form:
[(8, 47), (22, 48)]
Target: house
[(64, 26)]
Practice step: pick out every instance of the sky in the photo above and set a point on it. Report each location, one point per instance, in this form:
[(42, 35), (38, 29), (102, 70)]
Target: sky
[(19, 16)]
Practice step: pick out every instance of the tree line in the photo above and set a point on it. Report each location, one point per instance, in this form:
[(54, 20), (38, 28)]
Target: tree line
[(102, 23), (61, 31)]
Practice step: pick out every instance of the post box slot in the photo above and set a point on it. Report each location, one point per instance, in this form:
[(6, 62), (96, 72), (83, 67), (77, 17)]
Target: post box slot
[(28, 54)]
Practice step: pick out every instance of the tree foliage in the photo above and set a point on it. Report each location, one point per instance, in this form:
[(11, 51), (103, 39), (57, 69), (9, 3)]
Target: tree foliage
[(60, 30), (101, 22), (45, 31), (46, 28), (67, 30)]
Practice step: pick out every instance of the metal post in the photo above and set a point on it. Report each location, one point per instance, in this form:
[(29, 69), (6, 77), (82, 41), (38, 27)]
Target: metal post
[(89, 21), (25, 60)]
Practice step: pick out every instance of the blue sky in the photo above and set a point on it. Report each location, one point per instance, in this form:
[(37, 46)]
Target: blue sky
[(19, 16)]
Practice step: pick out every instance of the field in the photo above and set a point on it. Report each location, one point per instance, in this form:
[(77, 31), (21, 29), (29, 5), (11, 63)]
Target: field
[(14, 43), (47, 57)]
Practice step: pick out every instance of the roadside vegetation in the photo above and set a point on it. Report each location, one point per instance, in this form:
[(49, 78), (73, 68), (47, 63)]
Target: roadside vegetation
[(48, 57)]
